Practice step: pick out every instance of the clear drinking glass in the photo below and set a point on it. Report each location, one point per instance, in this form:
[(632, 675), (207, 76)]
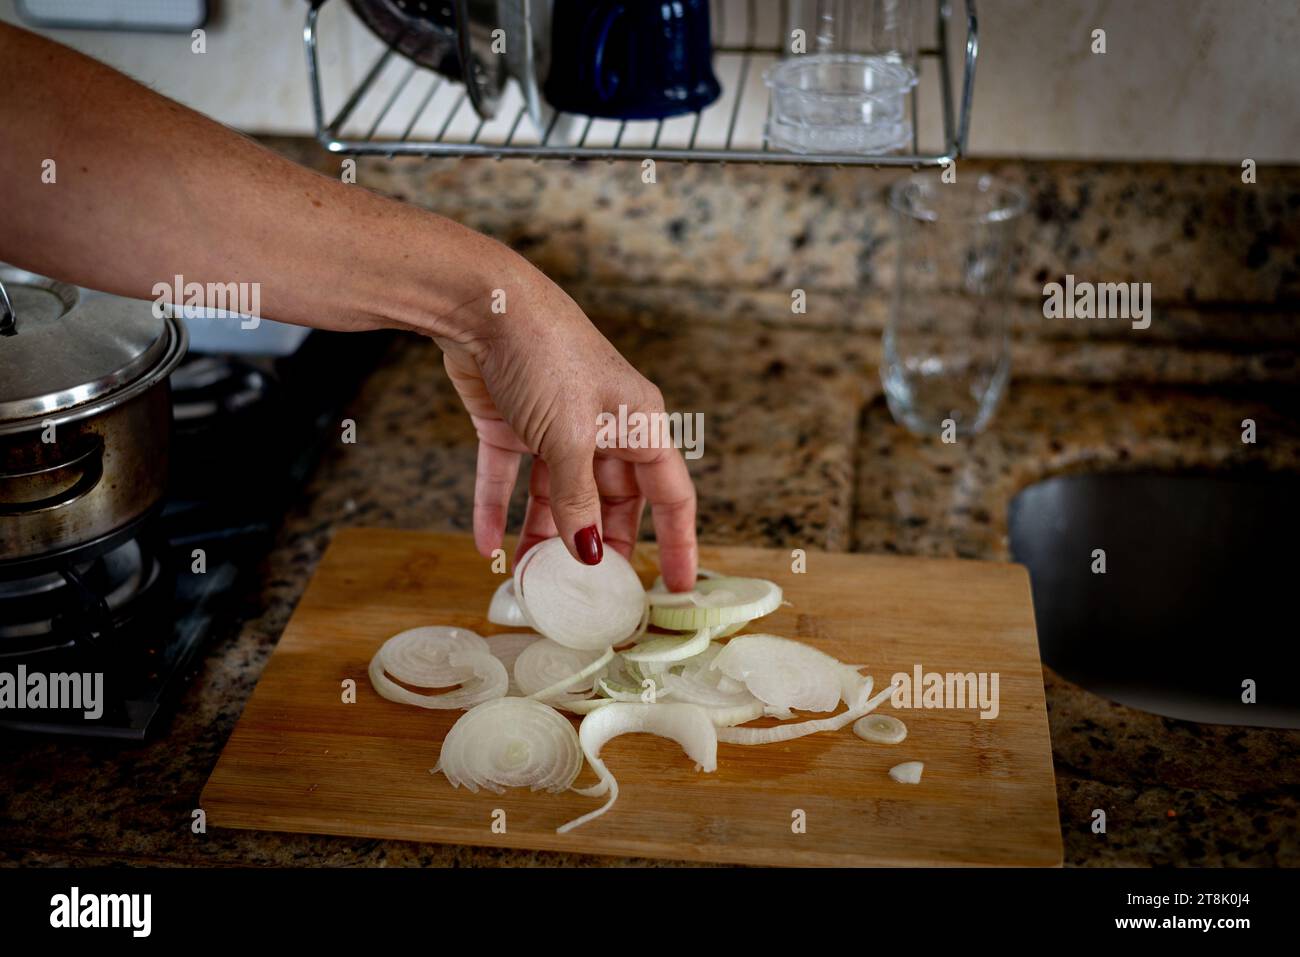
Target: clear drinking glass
[(842, 87), (946, 344), (884, 28)]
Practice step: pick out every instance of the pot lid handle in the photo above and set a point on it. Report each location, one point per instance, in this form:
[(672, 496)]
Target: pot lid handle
[(8, 319)]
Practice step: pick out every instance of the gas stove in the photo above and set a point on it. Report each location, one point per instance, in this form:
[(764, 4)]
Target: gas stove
[(103, 646)]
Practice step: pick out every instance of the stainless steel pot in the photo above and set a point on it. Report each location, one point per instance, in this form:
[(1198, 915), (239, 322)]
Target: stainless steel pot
[(85, 419)]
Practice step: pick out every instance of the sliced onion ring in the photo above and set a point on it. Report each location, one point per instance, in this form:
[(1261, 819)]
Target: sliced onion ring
[(547, 669), (687, 724), (486, 679), (784, 674), (714, 602), (507, 648), (511, 743), (587, 607), (701, 574), (880, 729), (422, 656), (587, 676), (694, 682)]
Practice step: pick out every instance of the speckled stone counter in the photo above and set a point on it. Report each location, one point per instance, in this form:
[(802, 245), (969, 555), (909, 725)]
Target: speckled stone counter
[(829, 470), (799, 450)]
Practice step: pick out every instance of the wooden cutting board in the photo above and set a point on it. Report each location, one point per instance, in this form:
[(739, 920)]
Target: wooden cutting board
[(301, 759)]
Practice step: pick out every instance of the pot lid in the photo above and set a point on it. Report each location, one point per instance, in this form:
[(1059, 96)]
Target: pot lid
[(66, 348)]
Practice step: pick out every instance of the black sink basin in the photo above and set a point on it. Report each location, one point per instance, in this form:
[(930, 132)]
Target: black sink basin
[(1201, 590)]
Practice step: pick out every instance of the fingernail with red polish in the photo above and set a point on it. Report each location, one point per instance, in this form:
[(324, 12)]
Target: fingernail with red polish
[(587, 541)]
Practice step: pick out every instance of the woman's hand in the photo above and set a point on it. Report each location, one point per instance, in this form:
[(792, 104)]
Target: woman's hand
[(534, 381)]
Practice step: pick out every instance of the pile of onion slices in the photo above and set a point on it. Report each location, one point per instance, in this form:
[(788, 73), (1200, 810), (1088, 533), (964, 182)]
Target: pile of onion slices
[(594, 656)]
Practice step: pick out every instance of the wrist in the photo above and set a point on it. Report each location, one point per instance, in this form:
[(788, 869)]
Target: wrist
[(462, 289), (412, 269), (495, 296)]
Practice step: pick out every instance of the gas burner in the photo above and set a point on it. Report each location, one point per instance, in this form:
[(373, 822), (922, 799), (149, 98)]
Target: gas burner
[(81, 603), (210, 388)]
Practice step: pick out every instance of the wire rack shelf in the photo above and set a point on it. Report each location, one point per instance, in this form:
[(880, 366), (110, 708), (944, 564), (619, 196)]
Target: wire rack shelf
[(400, 109)]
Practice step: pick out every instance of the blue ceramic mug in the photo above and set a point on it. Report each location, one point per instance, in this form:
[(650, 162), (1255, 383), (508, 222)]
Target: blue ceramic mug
[(631, 59)]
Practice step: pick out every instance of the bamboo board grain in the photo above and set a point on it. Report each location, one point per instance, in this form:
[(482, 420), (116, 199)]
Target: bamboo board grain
[(301, 759)]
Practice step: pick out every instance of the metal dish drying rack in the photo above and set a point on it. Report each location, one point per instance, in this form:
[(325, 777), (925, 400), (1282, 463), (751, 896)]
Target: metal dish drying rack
[(392, 113)]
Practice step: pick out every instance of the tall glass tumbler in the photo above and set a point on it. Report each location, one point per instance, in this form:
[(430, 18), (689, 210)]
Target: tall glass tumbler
[(947, 352), (843, 85), (885, 28)]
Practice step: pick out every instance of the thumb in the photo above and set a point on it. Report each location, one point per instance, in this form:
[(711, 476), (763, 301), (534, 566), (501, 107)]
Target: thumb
[(575, 504)]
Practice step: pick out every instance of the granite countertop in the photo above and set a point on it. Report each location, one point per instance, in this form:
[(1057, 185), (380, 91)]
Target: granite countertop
[(693, 275), (800, 450)]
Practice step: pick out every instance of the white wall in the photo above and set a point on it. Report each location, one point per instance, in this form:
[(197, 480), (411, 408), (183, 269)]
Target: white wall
[(1182, 79)]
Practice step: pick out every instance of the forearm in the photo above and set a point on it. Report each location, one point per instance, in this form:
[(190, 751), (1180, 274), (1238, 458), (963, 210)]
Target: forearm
[(145, 189)]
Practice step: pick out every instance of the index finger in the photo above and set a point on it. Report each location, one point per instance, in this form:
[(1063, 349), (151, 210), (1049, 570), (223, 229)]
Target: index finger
[(667, 486)]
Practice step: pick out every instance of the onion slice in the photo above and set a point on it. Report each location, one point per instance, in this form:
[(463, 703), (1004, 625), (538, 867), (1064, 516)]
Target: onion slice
[(697, 683), (687, 724), (784, 674), (438, 657), (504, 608), (670, 648), (615, 694), (862, 705), (729, 717), (909, 772), (507, 648), (880, 728), (623, 676), (585, 706), (546, 669), (634, 675), (587, 607), (422, 656), (511, 743), (485, 679), (700, 575), (714, 602)]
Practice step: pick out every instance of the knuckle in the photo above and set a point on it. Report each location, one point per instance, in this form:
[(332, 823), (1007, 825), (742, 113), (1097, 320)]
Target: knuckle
[(654, 398), (575, 501)]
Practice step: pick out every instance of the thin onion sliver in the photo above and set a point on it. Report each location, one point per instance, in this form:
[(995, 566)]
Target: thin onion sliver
[(670, 648), (798, 729), (687, 724)]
